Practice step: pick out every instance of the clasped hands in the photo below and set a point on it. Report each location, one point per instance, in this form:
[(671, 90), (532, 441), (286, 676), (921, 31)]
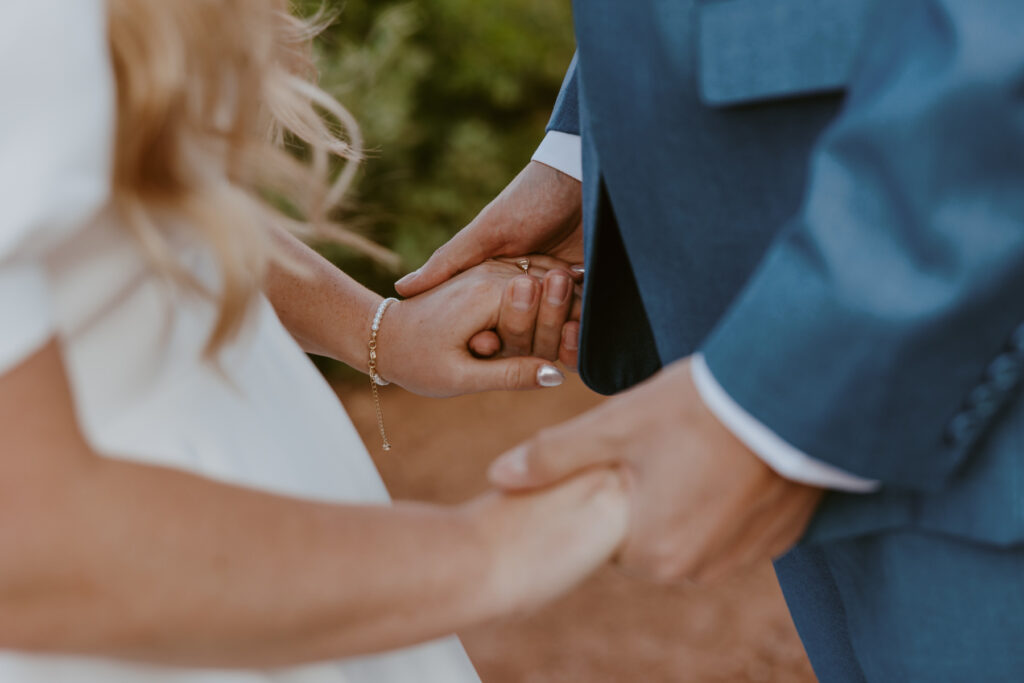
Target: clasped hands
[(491, 327), (701, 504)]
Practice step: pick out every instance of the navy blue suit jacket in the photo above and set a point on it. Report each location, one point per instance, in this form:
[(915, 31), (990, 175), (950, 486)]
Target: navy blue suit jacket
[(826, 197)]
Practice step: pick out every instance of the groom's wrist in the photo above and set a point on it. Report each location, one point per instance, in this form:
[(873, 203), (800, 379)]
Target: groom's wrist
[(562, 152), (781, 456)]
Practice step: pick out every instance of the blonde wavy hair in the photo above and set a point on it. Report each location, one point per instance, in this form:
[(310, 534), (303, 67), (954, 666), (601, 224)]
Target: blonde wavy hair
[(211, 96)]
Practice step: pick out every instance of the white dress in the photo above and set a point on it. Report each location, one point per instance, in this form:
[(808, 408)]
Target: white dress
[(133, 350)]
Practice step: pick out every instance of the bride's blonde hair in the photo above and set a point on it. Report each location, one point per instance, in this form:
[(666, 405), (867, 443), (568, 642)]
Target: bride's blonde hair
[(209, 94)]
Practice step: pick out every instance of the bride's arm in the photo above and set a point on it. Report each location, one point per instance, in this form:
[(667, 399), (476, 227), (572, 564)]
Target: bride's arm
[(326, 311), (100, 556), (424, 341)]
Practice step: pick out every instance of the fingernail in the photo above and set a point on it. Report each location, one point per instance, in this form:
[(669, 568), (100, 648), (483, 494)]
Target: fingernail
[(570, 341), (408, 277), (522, 294), (558, 289), (549, 376), (578, 269), (509, 468)]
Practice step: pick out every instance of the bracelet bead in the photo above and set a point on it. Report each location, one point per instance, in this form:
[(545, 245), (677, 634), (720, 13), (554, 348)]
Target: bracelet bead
[(375, 378)]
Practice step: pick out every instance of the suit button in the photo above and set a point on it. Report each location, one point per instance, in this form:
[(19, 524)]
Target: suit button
[(960, 430), (1004, 372)]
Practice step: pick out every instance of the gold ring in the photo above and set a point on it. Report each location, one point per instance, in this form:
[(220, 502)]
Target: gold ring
[(524, 263)]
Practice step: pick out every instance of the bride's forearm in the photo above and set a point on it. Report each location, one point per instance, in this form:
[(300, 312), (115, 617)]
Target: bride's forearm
[(327, 312), (146, 563), (107, 557)]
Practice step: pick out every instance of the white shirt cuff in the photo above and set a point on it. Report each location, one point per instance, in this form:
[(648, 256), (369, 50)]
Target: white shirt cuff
[(766, 444), (562, 152)]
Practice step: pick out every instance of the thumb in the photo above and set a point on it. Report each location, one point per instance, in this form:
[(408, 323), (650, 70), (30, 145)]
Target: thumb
[(549, 457), (485, 344), (465, 250), (510, 374)]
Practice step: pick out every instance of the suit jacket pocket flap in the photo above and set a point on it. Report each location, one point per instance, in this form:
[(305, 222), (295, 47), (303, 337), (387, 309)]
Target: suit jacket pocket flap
[(765, 49)]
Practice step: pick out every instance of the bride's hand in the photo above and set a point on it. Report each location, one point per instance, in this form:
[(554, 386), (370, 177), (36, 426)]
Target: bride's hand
[(424, 342), (544, 544)]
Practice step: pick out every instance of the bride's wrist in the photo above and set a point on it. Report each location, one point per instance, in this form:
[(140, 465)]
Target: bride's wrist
[(387, 317), (489, 591), (374, 363), (342, 332)]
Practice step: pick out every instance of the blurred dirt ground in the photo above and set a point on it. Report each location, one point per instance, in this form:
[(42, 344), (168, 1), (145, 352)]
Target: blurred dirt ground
[(611, 629)]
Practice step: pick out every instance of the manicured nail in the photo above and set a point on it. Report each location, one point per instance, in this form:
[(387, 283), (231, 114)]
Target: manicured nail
[(408, 277), (578, 269), (509, 468), (522, 294), (558, 289), (549, 376), (570, 340)]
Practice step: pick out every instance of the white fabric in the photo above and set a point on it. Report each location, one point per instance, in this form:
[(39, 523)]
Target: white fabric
[(25, 316), (766, 444), (133, 344), (563, 152), (54, 84)]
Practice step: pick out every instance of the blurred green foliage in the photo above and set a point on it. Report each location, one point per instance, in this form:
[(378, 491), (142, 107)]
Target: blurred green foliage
[(452, 97)]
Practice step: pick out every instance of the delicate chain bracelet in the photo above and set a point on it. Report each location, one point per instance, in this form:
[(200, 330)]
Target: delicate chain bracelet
[(376, 379)]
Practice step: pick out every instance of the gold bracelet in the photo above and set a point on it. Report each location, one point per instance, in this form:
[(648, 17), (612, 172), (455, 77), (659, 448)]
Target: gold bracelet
[(375, 379)]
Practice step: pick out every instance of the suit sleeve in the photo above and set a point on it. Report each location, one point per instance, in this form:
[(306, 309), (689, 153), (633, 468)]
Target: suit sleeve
[(884, 330), (566, 116)]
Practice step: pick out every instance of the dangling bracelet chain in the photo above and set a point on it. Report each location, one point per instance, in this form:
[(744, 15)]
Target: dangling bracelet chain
[(376, 379)]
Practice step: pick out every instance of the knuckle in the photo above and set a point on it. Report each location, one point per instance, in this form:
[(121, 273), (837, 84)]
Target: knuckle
[(668, 565), (480, 287), (534, 460), (545, 351), (548, 325), (663, 570), (663, 574), (569, 360), (553, 314), (551, 330), (513, 375), (537, 450), (440, 257), (711, 575), (517, 328), (517, 331), (513, 350), (497, 268)]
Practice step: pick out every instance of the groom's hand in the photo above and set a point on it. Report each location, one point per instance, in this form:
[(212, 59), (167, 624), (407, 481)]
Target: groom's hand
[(539, 212), (702, 504)]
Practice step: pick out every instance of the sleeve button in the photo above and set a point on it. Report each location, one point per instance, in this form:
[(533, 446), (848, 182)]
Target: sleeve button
[(1004, 372), (960, 429), (981, 395)]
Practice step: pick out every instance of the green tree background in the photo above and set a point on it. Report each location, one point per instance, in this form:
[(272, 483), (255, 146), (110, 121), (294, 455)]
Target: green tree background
[(452, 97)]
